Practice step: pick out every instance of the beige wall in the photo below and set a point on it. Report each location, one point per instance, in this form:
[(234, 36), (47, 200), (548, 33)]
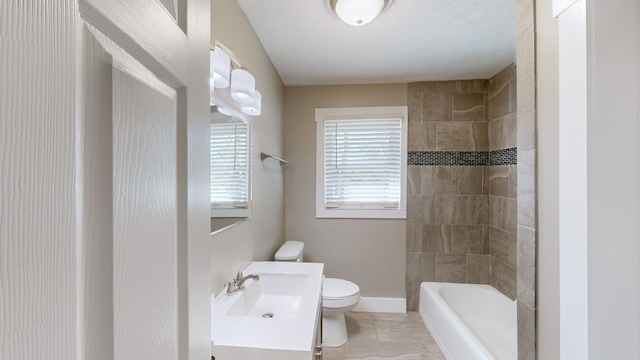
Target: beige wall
[(369, 252), (259, 237)]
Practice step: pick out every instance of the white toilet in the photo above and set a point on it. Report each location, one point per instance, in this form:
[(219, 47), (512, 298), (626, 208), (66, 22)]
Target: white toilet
[(338, 297)]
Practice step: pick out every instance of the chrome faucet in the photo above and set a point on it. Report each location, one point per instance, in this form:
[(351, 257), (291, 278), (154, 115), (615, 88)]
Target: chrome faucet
[(235, 285)]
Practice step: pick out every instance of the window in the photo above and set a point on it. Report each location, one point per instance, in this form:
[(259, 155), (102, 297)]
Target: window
[(361, 162), (230, 167)]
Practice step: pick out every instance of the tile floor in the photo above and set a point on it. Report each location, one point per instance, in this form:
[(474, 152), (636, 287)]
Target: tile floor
[(382, 336)]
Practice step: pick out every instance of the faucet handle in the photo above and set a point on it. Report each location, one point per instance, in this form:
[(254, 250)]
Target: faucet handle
[(240, 275)]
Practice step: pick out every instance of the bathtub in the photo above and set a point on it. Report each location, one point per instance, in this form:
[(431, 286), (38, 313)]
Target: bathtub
[(470, 321)]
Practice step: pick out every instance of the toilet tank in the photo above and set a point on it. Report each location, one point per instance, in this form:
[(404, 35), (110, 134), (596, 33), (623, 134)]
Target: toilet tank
[(290, 251)]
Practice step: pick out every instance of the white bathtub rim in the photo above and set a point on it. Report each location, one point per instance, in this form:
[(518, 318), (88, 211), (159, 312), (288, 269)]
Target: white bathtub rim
[(467, 336)]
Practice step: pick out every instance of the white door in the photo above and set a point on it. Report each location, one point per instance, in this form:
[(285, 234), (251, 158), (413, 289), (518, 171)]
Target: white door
[(104, 179)]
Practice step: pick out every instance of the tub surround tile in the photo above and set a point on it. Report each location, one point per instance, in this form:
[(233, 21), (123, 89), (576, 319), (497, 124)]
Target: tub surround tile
[(505, 278), (414, 107), (479, 130), (414, 180), (436, 238), (414, 237), (526, 332), (455, 136), (436, 107), (478, 269), (526, 130), (466, 180), (526, 86), (499, 181), (466, 239), (436, 179), (478, 208), (468, 107), (527, 188), (421, 266), (500, 246), (422, 136), (451, 268), (527, 265), (413, 295), (500, 101), (452, 209), (513, 181), (421, 209)]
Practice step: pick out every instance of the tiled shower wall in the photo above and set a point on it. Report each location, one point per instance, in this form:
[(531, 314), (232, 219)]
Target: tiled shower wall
[(502, 180), (448, 206), (461, 211)]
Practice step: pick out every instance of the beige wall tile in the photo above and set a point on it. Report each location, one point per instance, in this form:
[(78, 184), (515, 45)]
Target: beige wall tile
[(421, 209), (526, 75), (436, 238), (412, 289), (421, 266), (414, 107), (500, 245), (436, 107), (466, 239), (413, 180), (527, 188), (467, 180), (526, 130), (452, 209), (414, 237), (478, 269), (524, 17), (435, 179), (451, 268), (500, 102), (499, 180), (478, 208), (479, 131), (468, 107), (503, 213), (505, 279), (526, 332), (513, 181), (455, 136), (422, 136), (527, 265)]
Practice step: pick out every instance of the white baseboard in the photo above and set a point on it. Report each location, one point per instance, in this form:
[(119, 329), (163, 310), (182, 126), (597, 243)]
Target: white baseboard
[(382, 305)]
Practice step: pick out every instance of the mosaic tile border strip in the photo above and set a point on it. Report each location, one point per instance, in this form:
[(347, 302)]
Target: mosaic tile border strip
[(463, 158)]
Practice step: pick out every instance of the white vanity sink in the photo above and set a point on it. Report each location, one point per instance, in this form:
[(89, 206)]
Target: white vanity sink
[(274, 317)]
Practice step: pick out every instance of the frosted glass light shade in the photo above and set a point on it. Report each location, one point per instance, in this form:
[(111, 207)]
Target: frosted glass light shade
[(221, 68), (255, 108), (357, 12), (243, 86)]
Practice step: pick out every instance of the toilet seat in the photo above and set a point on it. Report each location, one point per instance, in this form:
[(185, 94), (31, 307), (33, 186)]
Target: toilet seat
[(339, 293)]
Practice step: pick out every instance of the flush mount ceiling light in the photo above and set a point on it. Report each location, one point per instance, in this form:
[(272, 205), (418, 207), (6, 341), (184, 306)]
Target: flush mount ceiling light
[(358, 12)]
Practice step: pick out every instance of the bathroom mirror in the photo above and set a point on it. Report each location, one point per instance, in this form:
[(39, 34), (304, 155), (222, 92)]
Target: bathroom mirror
[(230, 157)]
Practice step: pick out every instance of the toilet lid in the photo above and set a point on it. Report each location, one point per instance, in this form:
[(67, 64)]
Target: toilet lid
[(338, 288)]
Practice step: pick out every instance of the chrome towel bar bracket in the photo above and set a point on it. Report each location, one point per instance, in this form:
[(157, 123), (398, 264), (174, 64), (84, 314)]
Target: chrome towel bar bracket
[(265, 156)]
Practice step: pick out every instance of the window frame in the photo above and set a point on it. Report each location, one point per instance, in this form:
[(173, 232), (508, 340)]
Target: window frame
[(354, 113)]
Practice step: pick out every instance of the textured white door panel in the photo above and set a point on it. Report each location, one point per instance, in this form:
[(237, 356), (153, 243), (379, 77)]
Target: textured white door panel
[(104, 179)]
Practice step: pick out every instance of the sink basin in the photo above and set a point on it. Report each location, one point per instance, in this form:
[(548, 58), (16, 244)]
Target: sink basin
[(275, 295), (274, 317)]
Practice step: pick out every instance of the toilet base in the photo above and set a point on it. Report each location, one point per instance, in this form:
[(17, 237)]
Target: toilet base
[(334, 330)]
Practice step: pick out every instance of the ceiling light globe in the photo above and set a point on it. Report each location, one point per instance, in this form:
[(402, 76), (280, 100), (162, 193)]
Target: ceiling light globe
[(357, 12)]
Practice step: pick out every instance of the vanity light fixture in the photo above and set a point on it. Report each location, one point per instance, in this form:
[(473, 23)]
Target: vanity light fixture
[(243, 86), (220, 68), (358, 12), (228, 80), (255, 108)]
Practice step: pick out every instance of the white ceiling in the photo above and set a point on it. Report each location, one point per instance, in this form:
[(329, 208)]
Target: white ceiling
[(413, 40)]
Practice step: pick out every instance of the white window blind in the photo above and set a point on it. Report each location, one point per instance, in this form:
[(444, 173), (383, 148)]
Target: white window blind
[(362, 163), (229, 154)]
